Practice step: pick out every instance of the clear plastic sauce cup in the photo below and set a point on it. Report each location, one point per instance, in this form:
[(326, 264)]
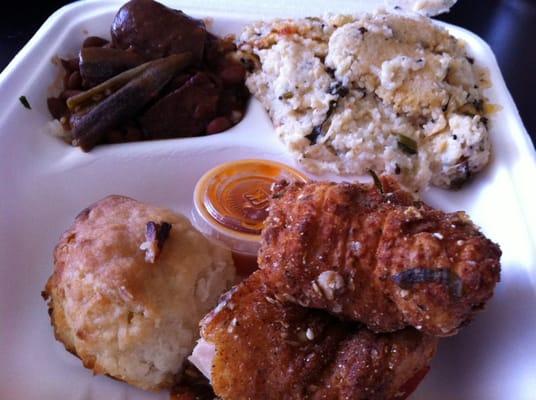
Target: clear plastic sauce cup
[(231, 203)]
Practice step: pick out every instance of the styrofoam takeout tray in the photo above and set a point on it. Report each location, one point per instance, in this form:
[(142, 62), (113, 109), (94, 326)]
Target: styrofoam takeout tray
[(44, 183)]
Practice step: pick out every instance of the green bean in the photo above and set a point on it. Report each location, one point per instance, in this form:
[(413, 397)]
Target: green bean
[(407, 144), (88, 128), (97, 93)]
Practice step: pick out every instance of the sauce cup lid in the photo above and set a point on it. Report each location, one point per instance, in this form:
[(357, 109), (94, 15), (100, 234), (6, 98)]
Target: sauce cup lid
[(231, 201)]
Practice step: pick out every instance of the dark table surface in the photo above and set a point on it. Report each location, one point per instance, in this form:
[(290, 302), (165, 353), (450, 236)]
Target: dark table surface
[(508, 26)]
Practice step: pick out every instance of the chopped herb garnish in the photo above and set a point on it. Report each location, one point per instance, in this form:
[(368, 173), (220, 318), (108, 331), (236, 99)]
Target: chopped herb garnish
[(377, 181), (407, 144), (479, 104), (363, 30), (338, 89), (471, 60), (319, 129), (406, 279), (468, 109), (314, 135), (24, 102)]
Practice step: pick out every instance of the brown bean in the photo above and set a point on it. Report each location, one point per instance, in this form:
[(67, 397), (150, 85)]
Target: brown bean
[(233, 74), (205, 110), (94, 41), (57, 107), (70, 65), (218, 124), (75, 81), (236, 116)]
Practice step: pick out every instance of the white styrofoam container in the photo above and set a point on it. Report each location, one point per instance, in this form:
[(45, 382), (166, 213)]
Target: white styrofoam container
[(44, 183)]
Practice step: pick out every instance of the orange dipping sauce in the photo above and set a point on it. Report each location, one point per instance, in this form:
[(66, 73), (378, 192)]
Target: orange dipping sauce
[(231, 203)]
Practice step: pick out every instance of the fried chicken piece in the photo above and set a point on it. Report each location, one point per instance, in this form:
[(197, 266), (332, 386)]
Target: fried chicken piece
[(373, 254), (267, 349)]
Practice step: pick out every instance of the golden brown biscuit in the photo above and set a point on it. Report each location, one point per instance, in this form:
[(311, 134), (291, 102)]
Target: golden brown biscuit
[(127, 312)]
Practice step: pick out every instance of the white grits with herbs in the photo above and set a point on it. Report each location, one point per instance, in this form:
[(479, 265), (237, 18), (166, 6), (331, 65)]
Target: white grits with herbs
[(391, 93)]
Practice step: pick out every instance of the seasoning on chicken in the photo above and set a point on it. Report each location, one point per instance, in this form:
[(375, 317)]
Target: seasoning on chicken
[(375, 255), (267, 349)]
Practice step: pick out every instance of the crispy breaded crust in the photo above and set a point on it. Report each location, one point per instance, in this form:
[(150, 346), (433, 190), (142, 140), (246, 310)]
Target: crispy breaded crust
[(380, 258), (267, 349)]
